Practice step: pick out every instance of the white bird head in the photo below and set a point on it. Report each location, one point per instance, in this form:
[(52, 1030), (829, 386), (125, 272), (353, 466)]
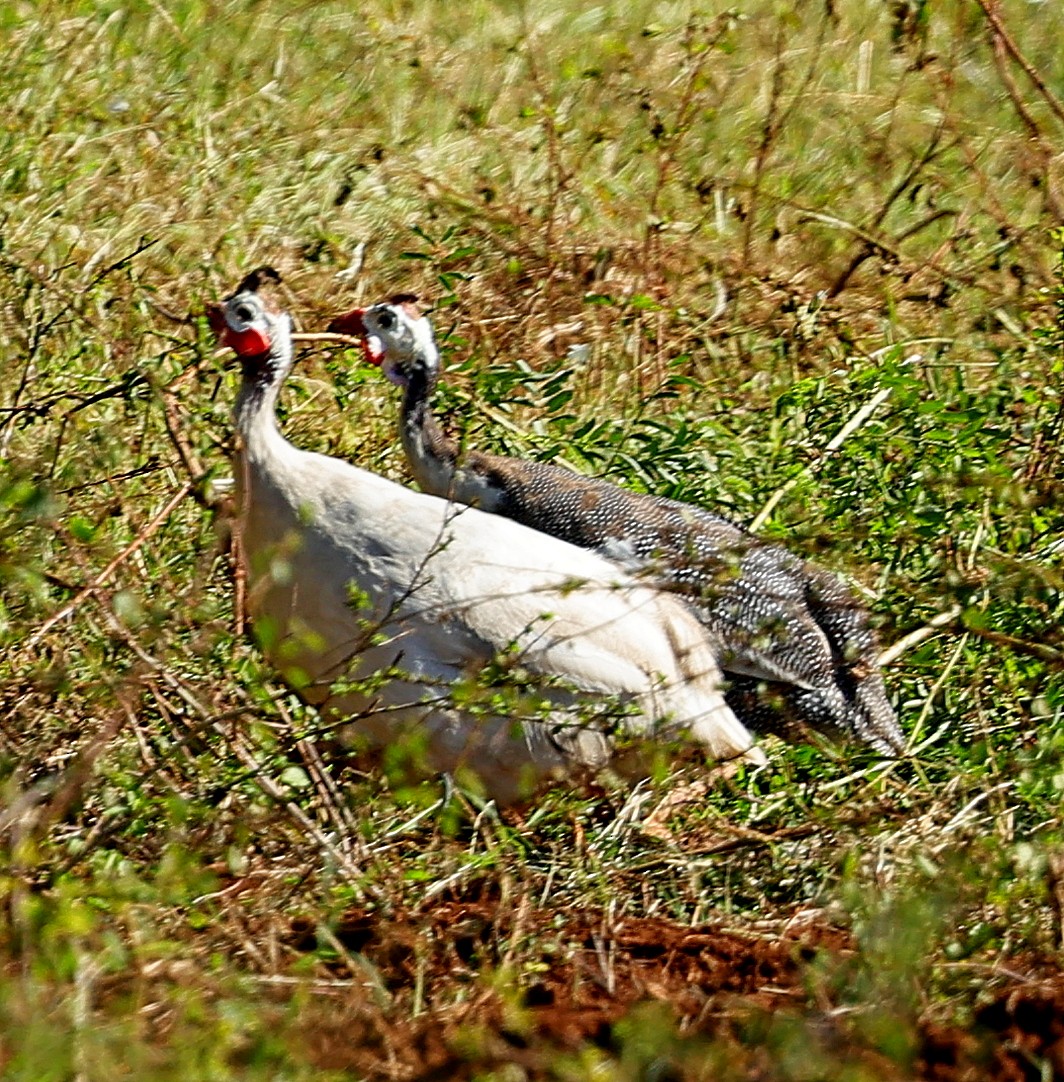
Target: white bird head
[(259, 335), (396, 335)]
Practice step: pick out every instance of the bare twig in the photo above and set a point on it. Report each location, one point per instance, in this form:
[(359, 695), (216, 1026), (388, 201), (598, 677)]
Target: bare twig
[(914, 638), (912, 747), (949, 618), (991, 9), (870, 246), (698, 51), (560, 174), (326, 336), (243, 753), (144, 535), (1048, 654), (770, 129), (338, 812), (776, 119), (1003, 45), (189, 459)]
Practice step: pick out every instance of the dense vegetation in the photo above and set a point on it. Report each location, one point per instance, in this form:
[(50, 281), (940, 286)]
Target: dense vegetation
[(798, 262)]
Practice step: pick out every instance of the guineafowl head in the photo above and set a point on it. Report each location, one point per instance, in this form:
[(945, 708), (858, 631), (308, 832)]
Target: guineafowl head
[(396, 335), (257, 332)]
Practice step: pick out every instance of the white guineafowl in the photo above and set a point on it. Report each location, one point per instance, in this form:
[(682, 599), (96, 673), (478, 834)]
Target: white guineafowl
[(388, 609)]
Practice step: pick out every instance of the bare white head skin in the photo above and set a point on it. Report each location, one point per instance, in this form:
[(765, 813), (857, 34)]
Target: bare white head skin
[(396, 335)]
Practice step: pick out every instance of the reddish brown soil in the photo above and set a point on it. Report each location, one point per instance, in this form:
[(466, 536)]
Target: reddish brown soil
[(704, 1002)]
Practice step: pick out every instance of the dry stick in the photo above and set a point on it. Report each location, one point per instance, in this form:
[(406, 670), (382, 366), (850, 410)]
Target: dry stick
[(840, 437), (324, 786), (77, 775), (328, 794), (880, 243), (744, 837), (1048, 654), (239, 565), (1044, 151), (110, 569), (776, 119), (246, 757), (912, 747), (770, 129), (990, 10), (327, 336), (559, 175), (666, 159), (991, 204), (6, 425), (960, 226), (188, 456), (179, 740), (869, 247)]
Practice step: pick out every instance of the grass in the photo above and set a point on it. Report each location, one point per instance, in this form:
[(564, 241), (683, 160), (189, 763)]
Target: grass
[(680, 248)]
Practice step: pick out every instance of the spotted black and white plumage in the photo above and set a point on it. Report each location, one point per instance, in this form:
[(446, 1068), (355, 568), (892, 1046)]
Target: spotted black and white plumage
[(797, 647)]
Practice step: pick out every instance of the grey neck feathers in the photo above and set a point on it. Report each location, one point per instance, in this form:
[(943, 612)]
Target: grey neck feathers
[(432, 455)]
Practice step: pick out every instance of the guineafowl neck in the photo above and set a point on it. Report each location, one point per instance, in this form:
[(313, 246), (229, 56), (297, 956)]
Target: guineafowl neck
[(430, 453), (255, 416)]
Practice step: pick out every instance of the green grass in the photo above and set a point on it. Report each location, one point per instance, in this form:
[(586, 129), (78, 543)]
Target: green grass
[(750, 223)]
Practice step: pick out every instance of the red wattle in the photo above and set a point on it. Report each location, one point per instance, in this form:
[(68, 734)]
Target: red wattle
[(351, 323), (249, 343), (372, 350)]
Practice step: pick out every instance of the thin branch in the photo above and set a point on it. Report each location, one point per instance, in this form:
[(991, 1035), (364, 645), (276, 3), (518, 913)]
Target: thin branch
[(990, 10), (870, 246), (1048, 654), (770, 129), (327, 336), (356, 875), (150, 530), (1043, 149), (188, 456), (914, 638), (852, 425)]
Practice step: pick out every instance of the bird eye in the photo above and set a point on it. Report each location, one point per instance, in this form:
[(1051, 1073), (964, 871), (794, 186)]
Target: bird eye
[(386, 320), (244, 313)]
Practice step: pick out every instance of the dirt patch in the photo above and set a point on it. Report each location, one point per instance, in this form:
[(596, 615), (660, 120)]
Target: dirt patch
[(466, 986), (1026, 1025)]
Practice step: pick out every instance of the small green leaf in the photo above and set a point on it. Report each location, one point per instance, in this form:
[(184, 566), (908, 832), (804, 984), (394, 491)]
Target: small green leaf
[(81, 529), (644, 303), (295, 777)]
